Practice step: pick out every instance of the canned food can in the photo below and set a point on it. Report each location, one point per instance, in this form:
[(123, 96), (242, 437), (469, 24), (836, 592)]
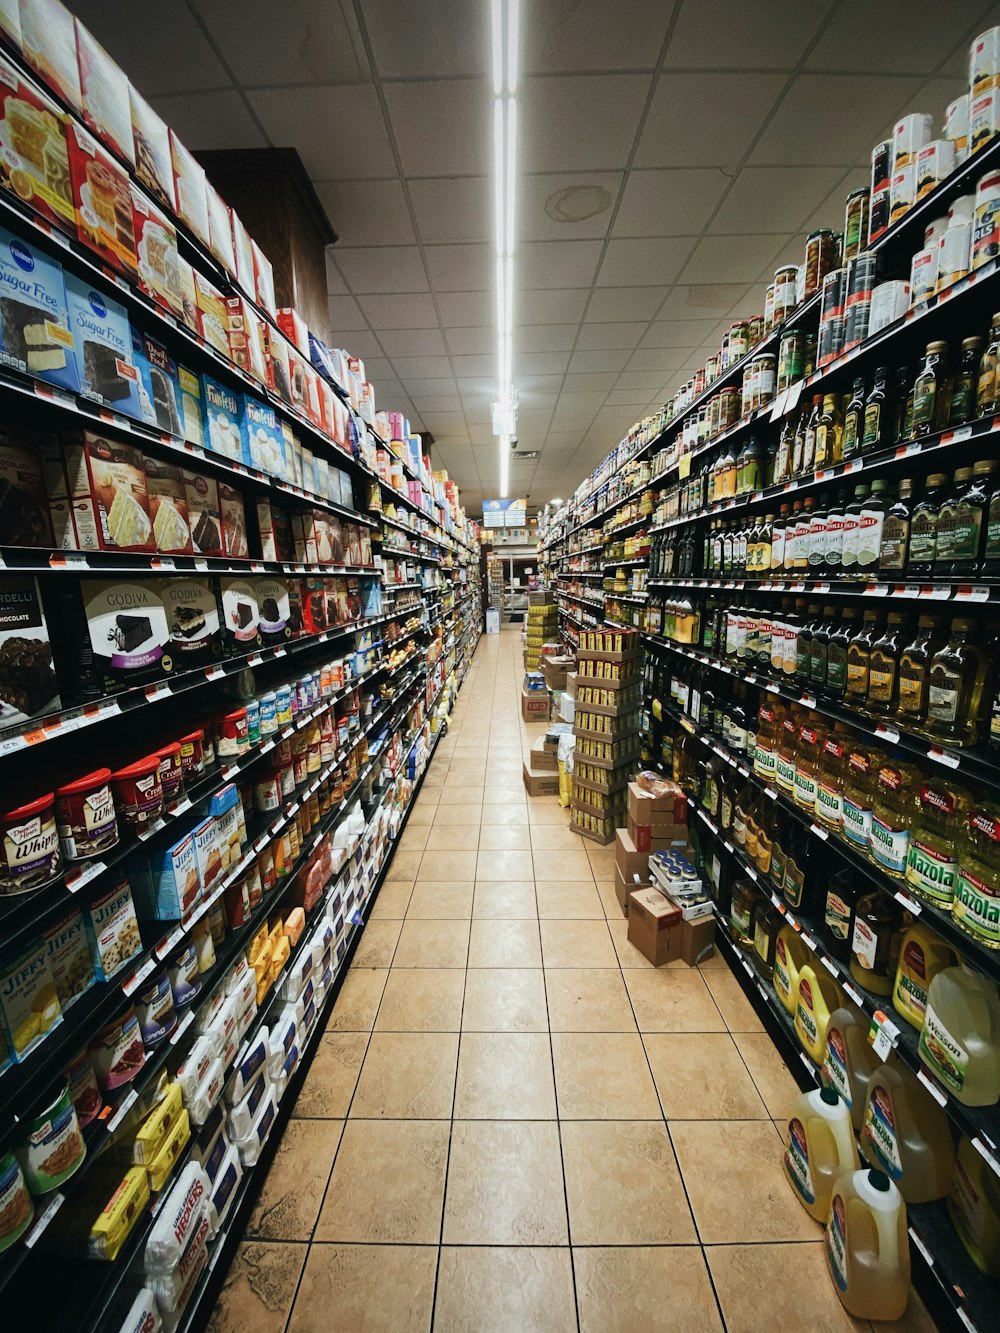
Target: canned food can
[(954, 252), (935, 161), (956, 127), (878, 213), (984, 62), (833, 295), (923, 274), (821, 256), (984, 118), (881, 165), (831, 339), (856, 222), (902, 190), (785, 292), (909, 136)]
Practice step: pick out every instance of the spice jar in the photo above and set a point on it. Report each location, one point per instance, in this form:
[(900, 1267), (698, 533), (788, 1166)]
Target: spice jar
[(85, 816)]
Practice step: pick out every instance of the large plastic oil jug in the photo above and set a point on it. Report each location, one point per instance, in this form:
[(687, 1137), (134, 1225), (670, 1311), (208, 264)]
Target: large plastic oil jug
[(922, 955), (816, 998), (974, 1205), (866, 1246), (849, 1060), (905, 1134), (958, 1042), (790, 953), (819, 1148)]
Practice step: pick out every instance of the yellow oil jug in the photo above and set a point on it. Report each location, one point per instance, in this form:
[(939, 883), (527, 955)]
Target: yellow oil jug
[(819, 1148), (905, 1134), (790, 953), (816, 998), (974, 1205), (849, 1060), (867, 1250), (922, 955)]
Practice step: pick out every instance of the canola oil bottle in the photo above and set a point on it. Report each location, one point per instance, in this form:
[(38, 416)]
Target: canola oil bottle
[(974, 1208), (867, 1249), (905, 1133), (958, 1042), (849, 1060), (818, 995), (819, 1148), (790, 956), (922, 955)]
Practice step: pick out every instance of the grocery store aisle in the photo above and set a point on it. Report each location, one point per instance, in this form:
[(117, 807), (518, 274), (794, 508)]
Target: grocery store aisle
[(514, 1121)]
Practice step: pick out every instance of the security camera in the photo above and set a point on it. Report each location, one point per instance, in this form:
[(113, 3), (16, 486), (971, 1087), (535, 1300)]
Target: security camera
[(513, 441)]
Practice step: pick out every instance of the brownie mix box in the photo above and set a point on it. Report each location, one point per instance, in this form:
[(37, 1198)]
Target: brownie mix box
[(24, 501), (159, 387), (102, 200), (156, 253), (34, 159), (168, 508), (48, 40), (151, 142), (102, 347), (97, 494), (35, 337), (104, 88), (28, 686)]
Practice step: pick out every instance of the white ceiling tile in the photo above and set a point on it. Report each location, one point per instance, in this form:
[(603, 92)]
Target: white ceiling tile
[(166, 52), (421, 367), (592, 359), (577, 34), (463, 268), (705, 120), (452, 210), (366, 213), (719, 34), (884, 38), (412, 342), (555, 109), (433, 404), (474, 341), (598, 380), (211, 119), (541, 264), (432, 39), (601, 337), (345, 314), (639, 379), (701, 300), (773, 199), (360, 148), (390, 268), (659, 358), (624, 303), (555, 207), (404, 310), (803, 131), (717, 259), (539, 363), (675, 202), (632, 262), (441, 128), (314, 41), (483, 364), (549, 307), (678, 332), (545, 337)]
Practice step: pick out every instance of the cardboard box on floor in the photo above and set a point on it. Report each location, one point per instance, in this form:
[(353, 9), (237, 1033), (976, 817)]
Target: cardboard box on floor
[(660, 933)]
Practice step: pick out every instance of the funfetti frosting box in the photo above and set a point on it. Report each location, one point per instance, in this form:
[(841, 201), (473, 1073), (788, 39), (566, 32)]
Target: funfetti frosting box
[(34, 318), (102, 347)]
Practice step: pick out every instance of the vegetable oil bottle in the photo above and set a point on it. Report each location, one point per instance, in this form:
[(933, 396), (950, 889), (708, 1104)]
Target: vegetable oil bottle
[(974, 1207), (958, 1042), (867, 1246), (790, 956), (977, 890), (849, 1060), (922, 955), (819, 1148), (905, 1133)]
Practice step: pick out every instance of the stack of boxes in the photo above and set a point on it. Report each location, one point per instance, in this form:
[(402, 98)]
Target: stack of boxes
[(542, 627), (606, 726)]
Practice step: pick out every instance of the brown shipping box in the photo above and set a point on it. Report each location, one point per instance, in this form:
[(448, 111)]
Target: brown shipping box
[(654, 926), (534, 705), (539, 782)]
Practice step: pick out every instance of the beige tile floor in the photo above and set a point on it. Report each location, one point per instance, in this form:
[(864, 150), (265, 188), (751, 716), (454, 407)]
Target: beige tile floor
[(512, 1121)]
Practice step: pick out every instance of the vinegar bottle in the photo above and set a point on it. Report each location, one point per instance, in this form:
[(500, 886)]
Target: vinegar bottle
[(867, 1246), (819, 1148)]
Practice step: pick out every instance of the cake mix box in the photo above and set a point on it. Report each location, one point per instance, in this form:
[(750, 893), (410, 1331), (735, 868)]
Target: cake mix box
[(204, 517), (159, 267), (105, 95), (35, 337), (102, 200), (151, 142), (102, 347), (159, 387), (34, 159), (168, 508), (24, 501), (97, 494), (48, 40), (190, 189), (28, 686)]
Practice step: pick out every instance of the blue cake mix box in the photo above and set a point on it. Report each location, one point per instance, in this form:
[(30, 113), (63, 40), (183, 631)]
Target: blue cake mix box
[(102, 346), (34, 321)]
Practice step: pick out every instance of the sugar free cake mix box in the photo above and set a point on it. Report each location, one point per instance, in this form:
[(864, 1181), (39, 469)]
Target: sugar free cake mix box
[(34, 318), (34, 159), (102, 346), (102, 200), (98, 498)]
